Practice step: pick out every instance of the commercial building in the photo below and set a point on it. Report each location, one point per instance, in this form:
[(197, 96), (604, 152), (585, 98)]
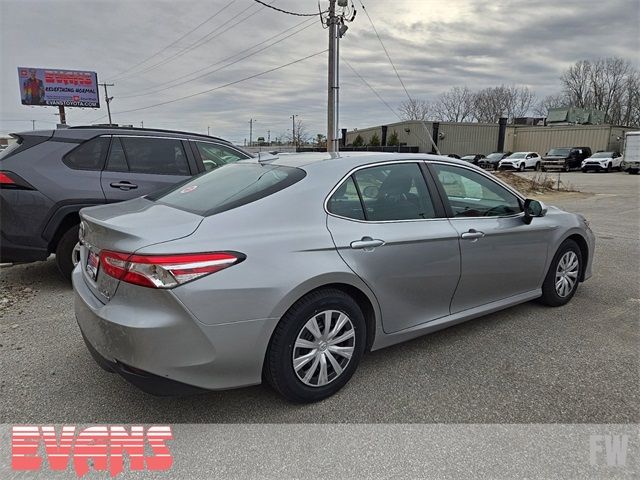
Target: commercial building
[(472, 138)]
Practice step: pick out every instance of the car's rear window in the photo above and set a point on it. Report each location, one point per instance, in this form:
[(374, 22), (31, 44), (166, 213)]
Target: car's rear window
[(228, 187)]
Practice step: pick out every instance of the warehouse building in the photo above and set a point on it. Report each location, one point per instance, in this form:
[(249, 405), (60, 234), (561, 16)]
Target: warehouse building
[(485, 138)]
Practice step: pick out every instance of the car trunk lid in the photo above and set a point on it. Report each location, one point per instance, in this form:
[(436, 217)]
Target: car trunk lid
[(126, 227)]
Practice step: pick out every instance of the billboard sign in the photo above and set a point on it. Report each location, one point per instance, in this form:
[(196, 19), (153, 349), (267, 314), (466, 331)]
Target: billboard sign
[(52, 88)]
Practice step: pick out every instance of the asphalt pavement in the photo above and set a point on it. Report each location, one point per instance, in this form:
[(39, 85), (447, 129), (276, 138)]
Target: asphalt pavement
[(527, 364)]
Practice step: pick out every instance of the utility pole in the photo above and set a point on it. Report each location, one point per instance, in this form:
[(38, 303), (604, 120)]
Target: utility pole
[(294, 140), (336, 24), (107, 98), (251, 122), (142, 123), (33, 124), (334, 61), (208, 131), (269, 137)]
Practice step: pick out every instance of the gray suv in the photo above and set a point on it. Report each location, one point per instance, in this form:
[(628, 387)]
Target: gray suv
[(48, 176)]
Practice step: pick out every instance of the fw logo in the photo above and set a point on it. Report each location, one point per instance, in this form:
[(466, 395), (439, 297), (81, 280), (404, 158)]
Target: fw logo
[(608, 449)]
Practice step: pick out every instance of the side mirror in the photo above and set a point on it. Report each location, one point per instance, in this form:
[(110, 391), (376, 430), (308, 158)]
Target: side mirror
[(533, 209)]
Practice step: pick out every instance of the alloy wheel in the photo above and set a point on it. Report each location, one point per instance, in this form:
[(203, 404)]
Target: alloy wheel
[(567, 274), (75, 255), (323, 348)]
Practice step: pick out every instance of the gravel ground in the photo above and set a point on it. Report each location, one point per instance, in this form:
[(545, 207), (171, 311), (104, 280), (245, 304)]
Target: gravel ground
[(528, 364)]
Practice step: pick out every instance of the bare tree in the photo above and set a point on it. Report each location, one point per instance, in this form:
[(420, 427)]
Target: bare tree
[(415, 109), (610, 85), (491, 104), (455, 105), (301, 136), (550, 101)]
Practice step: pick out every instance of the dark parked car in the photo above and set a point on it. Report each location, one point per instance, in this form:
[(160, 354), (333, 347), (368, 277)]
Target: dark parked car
[(567, 158), (491, 161), (473, 158), (48, 176)]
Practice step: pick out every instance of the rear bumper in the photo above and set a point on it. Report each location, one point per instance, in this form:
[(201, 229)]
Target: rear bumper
[(13, 253), (150, 338), (145, 381)]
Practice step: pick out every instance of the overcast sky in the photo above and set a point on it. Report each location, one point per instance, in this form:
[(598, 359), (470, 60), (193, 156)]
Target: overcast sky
[(435, 45)]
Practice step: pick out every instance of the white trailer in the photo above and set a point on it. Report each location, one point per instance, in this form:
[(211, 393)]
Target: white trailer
[(631, 162)]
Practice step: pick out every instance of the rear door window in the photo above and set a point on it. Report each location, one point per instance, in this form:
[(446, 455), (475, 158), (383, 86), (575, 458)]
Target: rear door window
[(394, 192), (215, 156), (117, 161), (229, 187), (88, 156), (163, 156)]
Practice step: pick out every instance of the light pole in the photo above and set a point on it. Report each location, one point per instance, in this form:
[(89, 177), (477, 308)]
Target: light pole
[(251, 122), (294, 140)]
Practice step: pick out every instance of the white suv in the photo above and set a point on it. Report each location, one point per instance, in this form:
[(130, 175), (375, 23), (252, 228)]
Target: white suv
[(602, 161), (521, 161)]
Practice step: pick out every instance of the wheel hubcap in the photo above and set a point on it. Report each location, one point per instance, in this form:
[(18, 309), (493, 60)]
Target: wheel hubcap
[(323, 348), (75, 255), (567, 274)]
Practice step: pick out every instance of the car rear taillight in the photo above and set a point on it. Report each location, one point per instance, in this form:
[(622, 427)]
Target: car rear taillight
[(11, 180), (165, 271)]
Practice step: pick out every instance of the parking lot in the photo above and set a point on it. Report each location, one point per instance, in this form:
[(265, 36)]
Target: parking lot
[(528, 364)]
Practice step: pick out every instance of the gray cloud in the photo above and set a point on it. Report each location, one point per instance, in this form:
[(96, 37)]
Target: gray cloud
[(474, 43)]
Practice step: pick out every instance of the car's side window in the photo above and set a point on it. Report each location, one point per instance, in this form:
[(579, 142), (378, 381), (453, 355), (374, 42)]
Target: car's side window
[(214, 155), (394, 192), (117, 161), (88, 156), (163, 156), (345, 202), (472, 194)]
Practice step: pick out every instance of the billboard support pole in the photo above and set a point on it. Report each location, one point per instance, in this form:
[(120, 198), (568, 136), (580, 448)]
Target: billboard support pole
[(63, 115), (107, 98)]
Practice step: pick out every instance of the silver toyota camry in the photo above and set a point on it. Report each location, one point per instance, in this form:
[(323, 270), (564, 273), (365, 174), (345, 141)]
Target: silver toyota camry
[(290, 269)]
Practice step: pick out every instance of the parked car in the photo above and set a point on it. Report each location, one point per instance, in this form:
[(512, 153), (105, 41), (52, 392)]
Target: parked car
[(521, 161), (567, 159), (602, 162), (491, 161), (48, 176), (631, 161), (474, 158), (289, 270)]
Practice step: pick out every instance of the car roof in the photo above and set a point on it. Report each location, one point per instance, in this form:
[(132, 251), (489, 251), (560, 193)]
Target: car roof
[(350, 160), (89, 131)]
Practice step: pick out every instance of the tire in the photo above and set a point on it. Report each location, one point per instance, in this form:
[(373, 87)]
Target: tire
[(538, 167), (522, 167), (66, 252), (608, 168), (584, 170), (567, 168), (279, 362), (556, 297)]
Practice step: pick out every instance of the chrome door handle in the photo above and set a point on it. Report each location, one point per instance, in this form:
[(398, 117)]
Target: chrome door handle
[(367, 243), (124, 186), (472, 235)]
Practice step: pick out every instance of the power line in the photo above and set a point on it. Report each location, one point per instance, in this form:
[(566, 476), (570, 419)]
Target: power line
[(373, 89), (119, 75), (219, 87), (172, 83), (385, 50), (289, 13), (206, 38), (434, 144)]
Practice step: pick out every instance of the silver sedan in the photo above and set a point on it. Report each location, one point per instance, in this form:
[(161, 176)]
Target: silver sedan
[(290, 269)]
